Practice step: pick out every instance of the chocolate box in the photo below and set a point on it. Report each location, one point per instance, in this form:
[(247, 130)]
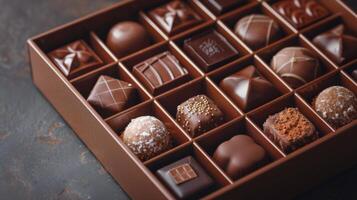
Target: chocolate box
[(285, 176)]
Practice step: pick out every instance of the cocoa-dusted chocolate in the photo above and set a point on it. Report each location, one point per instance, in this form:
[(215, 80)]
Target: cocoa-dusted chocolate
[(221, 6), (301, 13), (110, 95), (248, 88), (146, 137), (209, 49), (290, 129), (239, 156), (337, 44), (337, 105), (257, 30), (160, 70), (185, 178), (127, 37), (198, 115), (175, 16), (75, 58), (296, 65)]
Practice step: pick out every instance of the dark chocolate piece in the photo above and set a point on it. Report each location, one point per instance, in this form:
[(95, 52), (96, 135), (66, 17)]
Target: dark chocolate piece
[(248, 89), (75, 58), (296, 65), (185, 178), (110, 95), (147, 137), (337, 105), (239, 156), (160, 70), (301, 13), (127, 37), (198, 115), (290, 130), (221, 6), (175, 16), (257, 30), (338, 45), (209, 49)]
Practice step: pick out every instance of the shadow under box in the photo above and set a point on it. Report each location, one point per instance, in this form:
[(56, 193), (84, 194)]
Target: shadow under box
[(295, 61), (282, 121), (311, 92), (196, 114), (86, 83), (161, 68)]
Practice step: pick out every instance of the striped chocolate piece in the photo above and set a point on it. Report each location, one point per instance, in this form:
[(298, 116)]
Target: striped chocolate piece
[(110, 95), (296, 65), (159, 70)]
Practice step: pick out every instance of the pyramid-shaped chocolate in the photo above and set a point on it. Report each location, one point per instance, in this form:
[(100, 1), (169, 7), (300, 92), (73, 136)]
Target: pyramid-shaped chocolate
[(110, 95), (248, 89), (338, 45)]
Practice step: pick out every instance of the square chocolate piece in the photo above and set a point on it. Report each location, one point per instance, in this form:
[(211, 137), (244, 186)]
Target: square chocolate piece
[(290, 129), (185, 177), (301, 13), (198, 115), (175, 16), (209, 49), (161, 72), (75, 58), (110, 95), (220, 6)]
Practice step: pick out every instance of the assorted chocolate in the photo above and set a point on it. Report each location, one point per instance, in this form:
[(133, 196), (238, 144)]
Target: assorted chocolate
[(257, 30), (301, 13), (199, 114), (127, 37), (337, 44), (160, 70), (209, 49), (337, 105), (296, 65), (290, 129), (248, 88), (75, 58), (185, 178), (220, 6), (146, 137), (175, 16), (239, 156), (110, 95)]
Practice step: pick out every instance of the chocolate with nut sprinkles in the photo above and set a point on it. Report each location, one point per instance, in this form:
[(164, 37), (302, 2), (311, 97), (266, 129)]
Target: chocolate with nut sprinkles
[(198, 115)]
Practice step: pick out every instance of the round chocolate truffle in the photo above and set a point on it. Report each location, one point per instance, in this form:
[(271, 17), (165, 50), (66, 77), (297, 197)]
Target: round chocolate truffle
[(147, 137), (257, 30), (296, 65), (337, 105), (127, 37)]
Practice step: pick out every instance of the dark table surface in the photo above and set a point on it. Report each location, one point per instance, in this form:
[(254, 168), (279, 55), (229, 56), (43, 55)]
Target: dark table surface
[(40, 156)]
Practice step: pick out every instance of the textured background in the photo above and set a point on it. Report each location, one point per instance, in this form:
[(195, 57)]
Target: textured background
[(40, 156)]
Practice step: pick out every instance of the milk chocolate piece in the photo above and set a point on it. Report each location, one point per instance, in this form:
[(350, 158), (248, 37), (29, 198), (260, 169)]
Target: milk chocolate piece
[(221, 6), (257, 30), (198, 115), (248, 89), (127, 37), (161, 70), (175, 16), (110, 95), (75, 58), (338, 45), (296, 65), (209, 49), (239, 156), (301, 13), (185, 178), (290, 130)]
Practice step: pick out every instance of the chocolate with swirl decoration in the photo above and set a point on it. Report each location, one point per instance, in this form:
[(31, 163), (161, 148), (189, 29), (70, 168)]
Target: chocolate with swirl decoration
[(301, 13), (296, 65)]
